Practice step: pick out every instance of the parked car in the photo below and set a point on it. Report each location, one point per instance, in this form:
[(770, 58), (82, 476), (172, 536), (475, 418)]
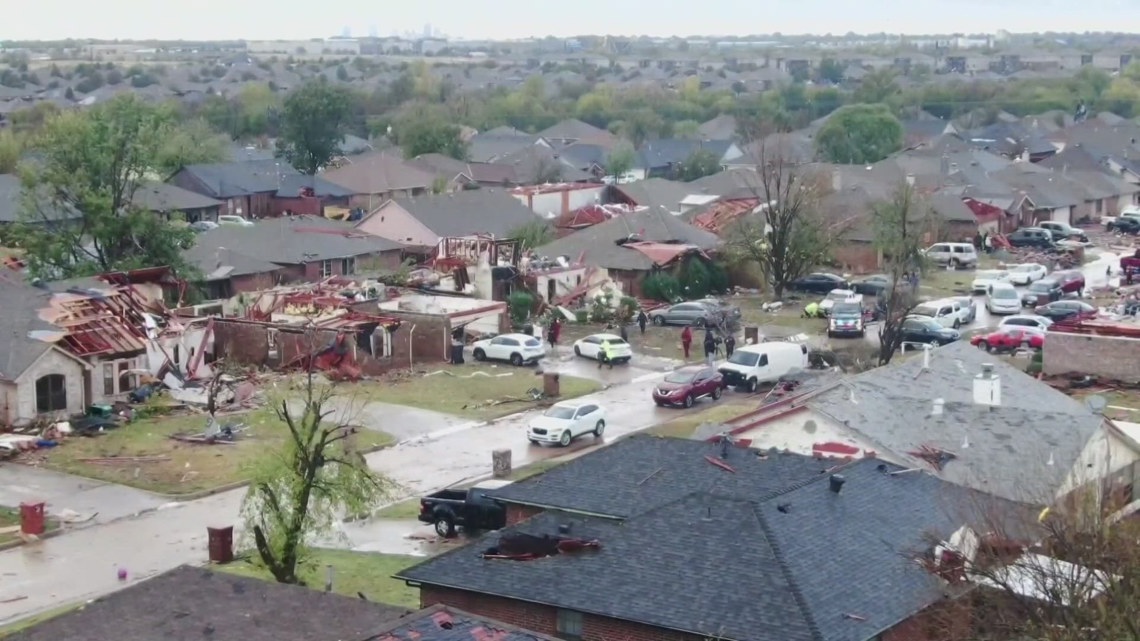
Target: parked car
[(969, 309), (1030, 237), (1032, 322), (563, 422), (927, 331), (229, 219), (686, 385), (820, 283), (203, 225), (697, 313), (983, 278), (591, 347), (1064, 231), (752, 365), (1041, 292), (1129, 212), (947, 312), (846, 319), (472, 509), (1026, 273), (728, 311), (1008, 338), (873, 285), (1002, 298), (1063, 310), (1072, 281), (953, 254), (1125, 224), (517, 349), (838, 296)]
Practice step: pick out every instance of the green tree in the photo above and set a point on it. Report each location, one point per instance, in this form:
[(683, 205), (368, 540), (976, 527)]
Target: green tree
[(620, 161), (860, 134), (90, 165), (877, 86), (190, 144), (830, 70), (699, 164), (316, 478), (427, 134), (313, 124), (342, 74), (534, 234), (11, 148)]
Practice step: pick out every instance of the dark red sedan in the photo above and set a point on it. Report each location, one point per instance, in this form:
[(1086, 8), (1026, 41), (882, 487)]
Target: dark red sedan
[(1067, 310), (685, 385), (1009, 338)]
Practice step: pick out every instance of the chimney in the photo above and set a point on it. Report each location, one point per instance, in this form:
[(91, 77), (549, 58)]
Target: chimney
[(835, 483), (910, 180), (936, 408), (836, 180), (987, 387), (945, 165)]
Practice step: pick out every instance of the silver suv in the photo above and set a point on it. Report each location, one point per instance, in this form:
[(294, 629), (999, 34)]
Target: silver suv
[(953, 254)]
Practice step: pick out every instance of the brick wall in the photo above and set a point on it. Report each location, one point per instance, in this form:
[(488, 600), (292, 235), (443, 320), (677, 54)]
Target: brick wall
[(1104, 356), (944, 621), (519, 513), (859, 258), (544, 619)]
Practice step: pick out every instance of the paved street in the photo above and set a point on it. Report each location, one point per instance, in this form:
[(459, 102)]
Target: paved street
[(82, 564), (87, 502)]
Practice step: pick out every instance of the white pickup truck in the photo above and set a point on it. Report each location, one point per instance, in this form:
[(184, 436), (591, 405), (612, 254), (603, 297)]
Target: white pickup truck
[(1129, 212)]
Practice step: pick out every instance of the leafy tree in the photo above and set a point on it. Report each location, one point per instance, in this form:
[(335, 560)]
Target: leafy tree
[(789, 235), (699, 164), (90, 165), (190, 144), (315, 479), (427, 134), (114, 77), (830, 70), (877, 86), (534, 234), (860, 134), (686, 129), (11, 148), (900, 228), (640, 126), (620, 161), (342, 74), (313, 125)]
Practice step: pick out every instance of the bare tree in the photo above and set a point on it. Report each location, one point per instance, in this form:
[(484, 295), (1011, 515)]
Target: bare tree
[(787, 236), (317, 479), (900, 227)]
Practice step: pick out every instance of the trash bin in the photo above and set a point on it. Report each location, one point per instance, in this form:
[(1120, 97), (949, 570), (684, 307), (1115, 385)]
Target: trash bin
[(32, 518), (550, 385), (457, 354), (221, 544)]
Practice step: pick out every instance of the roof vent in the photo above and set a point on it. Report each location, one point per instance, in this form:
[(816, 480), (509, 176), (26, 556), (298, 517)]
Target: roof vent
[(987, 387), (936, 409), (835, 483)]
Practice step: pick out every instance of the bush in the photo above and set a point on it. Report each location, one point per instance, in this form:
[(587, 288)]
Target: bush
[(1036, 364), (719, 282), (695, 279), (520, 304), (601, 308), (663, 287), (627, 309)]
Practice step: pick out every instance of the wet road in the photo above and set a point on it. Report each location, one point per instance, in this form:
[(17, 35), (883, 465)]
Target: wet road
[(77, 501)]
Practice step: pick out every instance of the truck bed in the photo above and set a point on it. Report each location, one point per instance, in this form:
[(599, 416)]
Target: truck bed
[(448, 495)]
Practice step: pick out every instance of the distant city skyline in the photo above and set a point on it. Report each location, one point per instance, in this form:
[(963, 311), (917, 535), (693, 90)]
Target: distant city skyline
[(517, 19)]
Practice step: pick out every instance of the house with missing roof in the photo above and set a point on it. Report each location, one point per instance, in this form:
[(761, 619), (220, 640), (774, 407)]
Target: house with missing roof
[(191, 604), (678, 540), (261, 188), (969, 419), (425, 220)]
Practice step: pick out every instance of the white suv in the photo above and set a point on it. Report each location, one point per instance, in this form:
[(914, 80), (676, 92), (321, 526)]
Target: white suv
[(947, 311), (953, 254), (517, 349)]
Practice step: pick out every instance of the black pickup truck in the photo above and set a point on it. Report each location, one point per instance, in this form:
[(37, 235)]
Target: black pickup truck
[(471, 509)]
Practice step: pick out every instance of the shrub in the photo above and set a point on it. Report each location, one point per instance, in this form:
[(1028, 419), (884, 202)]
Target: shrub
[(627, 309), (695, 279), (601, 308), (520, 304), (661, 286)]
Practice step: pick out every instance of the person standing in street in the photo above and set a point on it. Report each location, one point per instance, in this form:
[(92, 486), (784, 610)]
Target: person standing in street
[(553, 333), (642, 320), (605, 357), (729, 345), (686, 340), (710, 347)]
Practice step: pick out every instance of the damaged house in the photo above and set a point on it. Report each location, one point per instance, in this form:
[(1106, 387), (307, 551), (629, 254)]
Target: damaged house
[(692, 541)]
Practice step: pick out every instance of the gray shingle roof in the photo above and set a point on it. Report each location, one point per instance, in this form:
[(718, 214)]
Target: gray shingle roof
[(378, 172), (488, 147), (658, 193), (11, 206), (672, 151), (1021, 451), (191, 604), (155, 196), (425, 625), (234, 179), (470, 211), (598, 243), (539, 164), (768, 552), (574, 129), (21, 304), (1045, 188)]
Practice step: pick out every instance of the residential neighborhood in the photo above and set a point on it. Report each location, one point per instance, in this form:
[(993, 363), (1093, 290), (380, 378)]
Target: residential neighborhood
[(619, 339)]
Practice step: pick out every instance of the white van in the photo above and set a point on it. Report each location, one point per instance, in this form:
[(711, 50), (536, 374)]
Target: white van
[(751, 365), (1002, 298), (947, 311)]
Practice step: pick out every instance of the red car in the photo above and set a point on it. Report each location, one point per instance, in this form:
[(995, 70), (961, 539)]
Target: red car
[(687, 384), (1009, 338)]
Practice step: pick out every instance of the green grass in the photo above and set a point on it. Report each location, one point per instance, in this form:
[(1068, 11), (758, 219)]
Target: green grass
[(191, 467), (9, 518), (685, 426), (364, 572), (458, 393), (32, 621)]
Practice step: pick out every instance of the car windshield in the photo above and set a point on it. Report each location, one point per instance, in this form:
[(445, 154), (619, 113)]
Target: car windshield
[(988, 274), (1042, 286), (838, 295), (560, 412), (1003, 293), (747, 359), (847, 309), (926, 310), (680, 378)]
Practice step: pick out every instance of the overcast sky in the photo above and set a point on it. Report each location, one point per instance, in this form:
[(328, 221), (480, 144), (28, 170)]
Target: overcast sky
[(507, 19)]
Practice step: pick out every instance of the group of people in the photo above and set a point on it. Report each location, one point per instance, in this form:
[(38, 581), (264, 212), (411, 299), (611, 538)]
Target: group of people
[(712, 340), (712, 343)]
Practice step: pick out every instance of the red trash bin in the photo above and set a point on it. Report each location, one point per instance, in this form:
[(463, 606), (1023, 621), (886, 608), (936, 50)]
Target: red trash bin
[(221, 544), (32, 518)]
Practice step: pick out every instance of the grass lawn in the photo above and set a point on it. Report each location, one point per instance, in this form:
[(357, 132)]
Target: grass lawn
[(364, 572), (685, 426), (467, 390), (9, 518), (190, 467), (32, 621), (409, 509)]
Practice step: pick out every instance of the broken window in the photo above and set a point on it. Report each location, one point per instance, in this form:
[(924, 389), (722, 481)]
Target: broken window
[(569, 625), (382, 343), (51, 393), (326, 268)]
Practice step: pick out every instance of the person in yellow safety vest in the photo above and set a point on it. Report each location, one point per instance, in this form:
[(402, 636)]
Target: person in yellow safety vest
[(606, 355), (811, 310)]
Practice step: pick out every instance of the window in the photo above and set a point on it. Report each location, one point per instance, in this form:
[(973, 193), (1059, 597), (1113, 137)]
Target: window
[(108, 379), (51, 393), (348, 266), (569, 625), (326, 268), (1100, 206), (381, 343), (763, 360)]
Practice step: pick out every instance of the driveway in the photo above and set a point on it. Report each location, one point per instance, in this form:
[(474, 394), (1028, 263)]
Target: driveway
[(401, 421), (78, 501)]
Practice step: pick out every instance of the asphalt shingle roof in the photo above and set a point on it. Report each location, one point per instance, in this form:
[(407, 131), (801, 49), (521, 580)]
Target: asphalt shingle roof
[(599, 243), (469, 211), (488, 147), (1021, 451), (21, 304), (379, 172), (192, 604), (574, 129), (234, 179), (658, 193), (766, 553), (11, 205), (160, 197), (441, 623)]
